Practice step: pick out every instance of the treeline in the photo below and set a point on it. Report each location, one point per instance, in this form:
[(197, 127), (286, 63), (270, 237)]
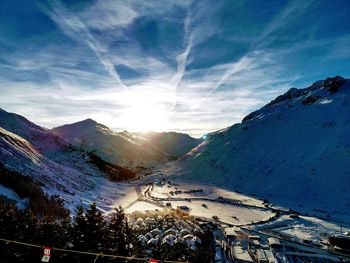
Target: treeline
[(89, 230), (114, 172), (39, 203), (45, 221)]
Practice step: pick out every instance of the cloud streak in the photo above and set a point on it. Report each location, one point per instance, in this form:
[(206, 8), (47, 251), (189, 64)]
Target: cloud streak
[(199, 66), (73, 27), (291, 9)]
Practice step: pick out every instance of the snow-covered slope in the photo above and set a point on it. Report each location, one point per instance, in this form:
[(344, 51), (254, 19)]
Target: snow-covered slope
[(52, 162), (294, 151), (122, 148), (173, 143), (17, 154)]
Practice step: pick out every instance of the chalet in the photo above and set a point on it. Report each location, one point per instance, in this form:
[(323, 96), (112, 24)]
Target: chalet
[(184, 232), (184, 208), (169, 239), (265, 256), (241, 255), (294, 216), (270, 256), (260, 256), (256, 243), (340, 242), (274, 242), (153, 242), (254, 237), (232, 233)]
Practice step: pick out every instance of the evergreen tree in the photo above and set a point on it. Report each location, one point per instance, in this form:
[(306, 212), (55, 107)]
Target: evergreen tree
[(27, 226), (79, 229), (54, 233), (96, 226), (8, 220), (119, 232)]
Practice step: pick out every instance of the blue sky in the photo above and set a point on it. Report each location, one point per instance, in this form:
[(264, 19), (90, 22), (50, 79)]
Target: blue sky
[(191, 66)]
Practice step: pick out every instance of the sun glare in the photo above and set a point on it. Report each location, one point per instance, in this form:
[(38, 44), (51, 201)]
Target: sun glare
[(144, 113), (144, 118)]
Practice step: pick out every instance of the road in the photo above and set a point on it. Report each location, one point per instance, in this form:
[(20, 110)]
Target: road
[(307, 247), (147, 196)]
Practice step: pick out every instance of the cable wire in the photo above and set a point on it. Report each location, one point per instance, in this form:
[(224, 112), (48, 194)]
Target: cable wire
[(87, 253)]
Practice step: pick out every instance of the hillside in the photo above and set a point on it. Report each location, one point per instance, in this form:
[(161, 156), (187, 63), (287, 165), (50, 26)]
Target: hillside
[(294, 151), (173, 143), (133, 150), (121, 148), (48, 160)]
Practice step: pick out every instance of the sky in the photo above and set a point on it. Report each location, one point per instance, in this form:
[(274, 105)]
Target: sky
[(180, 65)]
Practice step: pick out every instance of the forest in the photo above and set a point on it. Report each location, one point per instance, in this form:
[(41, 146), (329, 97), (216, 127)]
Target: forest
[(87, 231)]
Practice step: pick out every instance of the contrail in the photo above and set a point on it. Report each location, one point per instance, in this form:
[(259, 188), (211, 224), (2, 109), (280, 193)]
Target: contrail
[(73, 27)]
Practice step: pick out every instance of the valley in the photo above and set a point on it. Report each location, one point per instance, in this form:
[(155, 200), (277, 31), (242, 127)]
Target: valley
[(253, 198), (174, 131), (244, 223)]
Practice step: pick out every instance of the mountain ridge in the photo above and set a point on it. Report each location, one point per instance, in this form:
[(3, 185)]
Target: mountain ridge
[(293, 151), (122, 148), (133, 150), (34, 151)]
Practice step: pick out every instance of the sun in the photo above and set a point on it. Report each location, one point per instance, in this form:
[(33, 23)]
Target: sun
[(144, 112), (144, 118)]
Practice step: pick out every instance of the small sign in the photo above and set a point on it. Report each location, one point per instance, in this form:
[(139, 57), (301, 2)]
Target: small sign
[(47, 254)]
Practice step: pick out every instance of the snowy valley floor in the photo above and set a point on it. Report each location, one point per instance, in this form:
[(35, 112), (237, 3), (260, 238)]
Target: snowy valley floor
[(228, 209)]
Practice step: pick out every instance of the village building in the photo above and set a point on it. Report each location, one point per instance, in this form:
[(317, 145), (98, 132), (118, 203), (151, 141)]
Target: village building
[(274, 242), (240, 255)]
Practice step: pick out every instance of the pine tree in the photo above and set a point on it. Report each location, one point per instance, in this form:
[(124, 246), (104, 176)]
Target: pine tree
[(79, 229), (96, 226), (8, 221), (27, 225), (54, 233), (119, 232)]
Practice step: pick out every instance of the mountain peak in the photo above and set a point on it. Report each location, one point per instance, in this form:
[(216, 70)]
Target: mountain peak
[(315, 93), (77, 128), (88, 121), (330, 84), (84, 124), (16, 123), (298, 142)]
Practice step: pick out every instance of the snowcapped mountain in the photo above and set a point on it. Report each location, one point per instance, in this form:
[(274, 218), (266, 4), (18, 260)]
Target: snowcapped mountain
[(173, 143), (133, 150), (295, 151), (50, 161), (121, 148), (17, 154)]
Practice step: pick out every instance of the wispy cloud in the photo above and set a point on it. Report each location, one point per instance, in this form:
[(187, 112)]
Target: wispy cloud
[(182, 58), (291, 10), (108, 14), (202, 66), (73, 27)]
